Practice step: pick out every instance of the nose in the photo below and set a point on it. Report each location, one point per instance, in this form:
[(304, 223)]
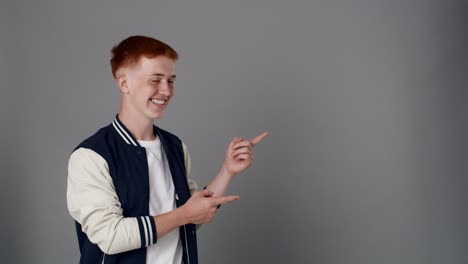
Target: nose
[(165, 88)]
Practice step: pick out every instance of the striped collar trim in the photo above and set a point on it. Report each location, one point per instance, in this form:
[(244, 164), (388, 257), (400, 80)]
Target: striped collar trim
[(124, 132)]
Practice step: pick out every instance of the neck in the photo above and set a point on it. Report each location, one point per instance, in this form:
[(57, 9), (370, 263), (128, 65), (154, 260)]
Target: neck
[(140, 127)]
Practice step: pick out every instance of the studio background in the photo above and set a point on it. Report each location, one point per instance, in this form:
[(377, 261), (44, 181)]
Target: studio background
[(365, 102)]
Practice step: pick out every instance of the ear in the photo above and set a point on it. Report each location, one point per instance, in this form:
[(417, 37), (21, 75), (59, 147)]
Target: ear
[(122, 83)]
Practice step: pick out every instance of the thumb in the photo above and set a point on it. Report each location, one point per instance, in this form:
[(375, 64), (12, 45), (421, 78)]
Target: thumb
[(206, 193), (233, 141)]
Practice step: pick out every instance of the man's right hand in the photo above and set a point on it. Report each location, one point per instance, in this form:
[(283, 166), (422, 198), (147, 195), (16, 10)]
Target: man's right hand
[(202, 206)]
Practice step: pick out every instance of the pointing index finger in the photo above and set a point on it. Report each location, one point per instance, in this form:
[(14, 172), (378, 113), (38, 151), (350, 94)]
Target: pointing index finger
[(226, 199), (258, 138)]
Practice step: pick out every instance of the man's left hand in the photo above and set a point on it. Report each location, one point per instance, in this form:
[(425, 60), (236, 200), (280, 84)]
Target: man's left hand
[(239, 154)]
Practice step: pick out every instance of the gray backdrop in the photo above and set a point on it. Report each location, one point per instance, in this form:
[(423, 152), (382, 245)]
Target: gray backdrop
[(365, 102)]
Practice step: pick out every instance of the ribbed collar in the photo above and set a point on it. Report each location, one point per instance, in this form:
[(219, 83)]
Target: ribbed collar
[(124, 132), (127, 136)]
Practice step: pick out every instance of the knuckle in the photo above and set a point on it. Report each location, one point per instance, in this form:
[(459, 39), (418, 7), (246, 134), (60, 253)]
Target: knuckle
[(212, 204)]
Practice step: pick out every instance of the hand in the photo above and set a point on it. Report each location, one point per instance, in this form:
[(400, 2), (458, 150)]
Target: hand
[(239, 154), (202, 206)]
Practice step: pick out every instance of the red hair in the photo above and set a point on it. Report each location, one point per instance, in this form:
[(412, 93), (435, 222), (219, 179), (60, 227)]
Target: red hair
[(131, 49)]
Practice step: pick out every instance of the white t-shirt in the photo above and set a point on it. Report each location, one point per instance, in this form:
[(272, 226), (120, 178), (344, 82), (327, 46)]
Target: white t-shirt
[(167, 249)]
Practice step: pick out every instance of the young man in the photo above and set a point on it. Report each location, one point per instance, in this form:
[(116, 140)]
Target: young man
[(128, 186)]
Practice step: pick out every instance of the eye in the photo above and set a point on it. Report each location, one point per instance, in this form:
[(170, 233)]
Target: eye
[(171, 81), (156, 81)]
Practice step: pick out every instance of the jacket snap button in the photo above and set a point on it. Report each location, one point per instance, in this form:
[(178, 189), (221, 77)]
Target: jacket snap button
[(176, 197)]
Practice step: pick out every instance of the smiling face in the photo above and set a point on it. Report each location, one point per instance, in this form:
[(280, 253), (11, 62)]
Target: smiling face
[(147, 87)]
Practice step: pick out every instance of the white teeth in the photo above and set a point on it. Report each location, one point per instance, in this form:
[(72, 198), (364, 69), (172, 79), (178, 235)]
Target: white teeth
[(156, 101)]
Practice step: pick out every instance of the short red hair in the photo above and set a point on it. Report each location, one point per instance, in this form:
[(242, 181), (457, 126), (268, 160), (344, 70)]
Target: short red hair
[(131, 49)]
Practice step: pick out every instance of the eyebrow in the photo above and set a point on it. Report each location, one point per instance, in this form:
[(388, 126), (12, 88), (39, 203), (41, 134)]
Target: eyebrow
[(162, 75)]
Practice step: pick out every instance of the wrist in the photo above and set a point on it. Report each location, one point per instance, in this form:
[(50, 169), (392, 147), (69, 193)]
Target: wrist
[(182, 215), (225, 172)]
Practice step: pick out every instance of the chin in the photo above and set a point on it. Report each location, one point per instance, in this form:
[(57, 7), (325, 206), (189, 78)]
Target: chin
[(156, 115)]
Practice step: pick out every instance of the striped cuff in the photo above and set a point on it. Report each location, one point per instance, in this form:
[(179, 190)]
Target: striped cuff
[(148, 234)]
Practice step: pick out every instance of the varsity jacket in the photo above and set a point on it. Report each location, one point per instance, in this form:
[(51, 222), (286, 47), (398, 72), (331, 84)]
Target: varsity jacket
[(108, 196)]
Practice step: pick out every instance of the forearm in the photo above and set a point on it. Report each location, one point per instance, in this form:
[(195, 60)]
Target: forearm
[(168, 221), (220, 183)]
